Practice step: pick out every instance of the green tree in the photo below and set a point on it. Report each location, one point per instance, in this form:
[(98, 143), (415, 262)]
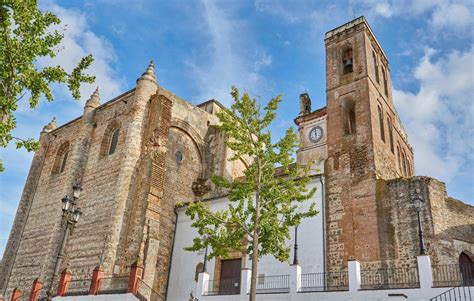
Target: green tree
[(25, 36), (262, 207)]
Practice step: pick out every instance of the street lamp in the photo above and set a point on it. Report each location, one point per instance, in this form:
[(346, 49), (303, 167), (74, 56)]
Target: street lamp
[(70, 217), (76, 191), (204, 267), (417, 204), (295, 247)]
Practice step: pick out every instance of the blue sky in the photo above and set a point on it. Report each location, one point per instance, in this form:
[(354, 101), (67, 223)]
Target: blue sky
[(201, 48)]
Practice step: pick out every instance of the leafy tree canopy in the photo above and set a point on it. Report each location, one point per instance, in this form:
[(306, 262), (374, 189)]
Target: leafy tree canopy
[(25, 36)]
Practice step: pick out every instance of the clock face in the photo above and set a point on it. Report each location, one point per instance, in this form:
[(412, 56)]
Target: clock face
[(316, 134)]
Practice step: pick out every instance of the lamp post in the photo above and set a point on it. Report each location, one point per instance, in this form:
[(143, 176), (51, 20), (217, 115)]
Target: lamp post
[(204, 267), (417, 204), (295, 248), (70, 217)]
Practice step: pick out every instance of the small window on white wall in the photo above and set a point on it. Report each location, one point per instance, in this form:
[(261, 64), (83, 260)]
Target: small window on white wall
[(199, 269)]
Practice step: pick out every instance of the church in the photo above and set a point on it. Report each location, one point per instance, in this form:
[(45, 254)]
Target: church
[(98, 214)]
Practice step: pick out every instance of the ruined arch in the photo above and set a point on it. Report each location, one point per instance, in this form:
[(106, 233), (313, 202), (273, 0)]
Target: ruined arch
[(198, 141)]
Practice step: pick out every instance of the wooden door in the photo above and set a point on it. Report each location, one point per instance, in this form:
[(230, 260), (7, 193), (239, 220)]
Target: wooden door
[(229, 283)]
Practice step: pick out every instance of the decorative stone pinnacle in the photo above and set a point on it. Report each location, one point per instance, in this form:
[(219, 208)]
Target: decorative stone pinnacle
[(149, 73), (94, 100), (50, 126)]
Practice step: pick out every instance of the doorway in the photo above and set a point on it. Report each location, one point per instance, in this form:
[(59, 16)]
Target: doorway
[(229, 283), (467, 269)]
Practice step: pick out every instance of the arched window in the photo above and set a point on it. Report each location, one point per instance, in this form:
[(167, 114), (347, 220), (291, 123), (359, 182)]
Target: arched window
[(114, 141), (199, 269), (110, 140), (382, 129), (349, 117), (390, 134), (347, 61), (399, 158), (385, 85), (60, 161), (376, 68), (64, 160), (466, 265), (404, 162)]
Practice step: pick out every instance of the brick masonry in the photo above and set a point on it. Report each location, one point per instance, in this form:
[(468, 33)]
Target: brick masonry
[(370, 170)]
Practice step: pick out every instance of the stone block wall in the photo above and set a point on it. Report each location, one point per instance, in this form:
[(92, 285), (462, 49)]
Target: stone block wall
[(39, 241), (398, 228), (40, 236), (91, 238)]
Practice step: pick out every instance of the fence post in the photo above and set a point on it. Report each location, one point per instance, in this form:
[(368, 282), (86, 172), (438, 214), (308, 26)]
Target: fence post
[(202, 285), (64, 280), (354, 275), (136, 271), (16, 295), (424, 271), (36, 290), (97, 276), (295, 278), (245, 281)]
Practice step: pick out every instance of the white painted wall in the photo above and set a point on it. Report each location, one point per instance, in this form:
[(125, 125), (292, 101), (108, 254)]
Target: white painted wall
[(310, 243), (369, 295)]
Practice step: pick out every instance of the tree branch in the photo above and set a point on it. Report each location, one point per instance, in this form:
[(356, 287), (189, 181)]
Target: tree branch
[(228, 223)]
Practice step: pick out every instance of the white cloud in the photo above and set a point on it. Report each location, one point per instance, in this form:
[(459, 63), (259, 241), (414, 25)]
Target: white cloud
[(452, 15), (78, 42), (448, 15), (384, 9), (231, 56), (439, 116)]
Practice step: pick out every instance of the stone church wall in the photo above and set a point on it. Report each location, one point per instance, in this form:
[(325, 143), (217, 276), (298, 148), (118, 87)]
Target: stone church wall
[(91, 237), (40, 239), (447, 224)]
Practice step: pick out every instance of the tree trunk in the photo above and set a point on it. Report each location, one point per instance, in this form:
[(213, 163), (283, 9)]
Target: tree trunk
[(253, 280)]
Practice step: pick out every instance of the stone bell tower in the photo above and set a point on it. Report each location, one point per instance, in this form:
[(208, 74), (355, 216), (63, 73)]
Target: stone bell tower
[(363, 137)]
